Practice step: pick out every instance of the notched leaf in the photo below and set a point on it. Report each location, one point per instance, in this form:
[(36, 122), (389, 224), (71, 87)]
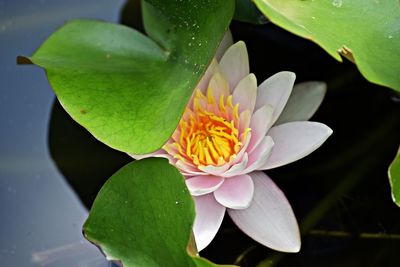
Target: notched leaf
[(347, 53), (23, 60)]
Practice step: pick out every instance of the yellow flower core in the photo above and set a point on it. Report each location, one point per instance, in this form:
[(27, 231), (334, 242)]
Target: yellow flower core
[(208, 134)]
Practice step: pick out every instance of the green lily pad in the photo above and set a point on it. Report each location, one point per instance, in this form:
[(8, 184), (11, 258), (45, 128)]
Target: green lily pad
[(143, 216), (367, 32), (127, 89), (394, 178)]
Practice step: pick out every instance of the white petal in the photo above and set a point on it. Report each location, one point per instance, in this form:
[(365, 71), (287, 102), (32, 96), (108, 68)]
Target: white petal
[(236, 192), (201, 185), (275, 91), (260, 124), (219, 86), (304, 101), (189, 170), (260, 154), (237, 168), (226, 42), (209, 216), (214, 170), (205, 80), (295, 140), (235, 63), (269, 219), (245, 93)]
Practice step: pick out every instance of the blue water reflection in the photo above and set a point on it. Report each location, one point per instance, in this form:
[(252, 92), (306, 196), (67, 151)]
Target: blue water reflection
[(41, 217)]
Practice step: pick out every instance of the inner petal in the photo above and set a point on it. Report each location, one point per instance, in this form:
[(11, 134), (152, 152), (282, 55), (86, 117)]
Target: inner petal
[(208, 131)]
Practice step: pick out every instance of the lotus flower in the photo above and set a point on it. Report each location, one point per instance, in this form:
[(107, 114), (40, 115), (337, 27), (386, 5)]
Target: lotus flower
[(230, 132)]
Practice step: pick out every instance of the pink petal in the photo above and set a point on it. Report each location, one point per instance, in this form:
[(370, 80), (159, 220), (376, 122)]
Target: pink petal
[(259, 124), (269, 219), (275, 91), (237, 168), (245, 93), (260, 154), (226, 42), (209, 216), (304, 101), (201, 185), (236, 192), (235, 63), (295, 140)]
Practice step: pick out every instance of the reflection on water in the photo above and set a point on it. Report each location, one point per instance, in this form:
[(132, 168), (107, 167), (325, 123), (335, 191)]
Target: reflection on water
[(40, 216)]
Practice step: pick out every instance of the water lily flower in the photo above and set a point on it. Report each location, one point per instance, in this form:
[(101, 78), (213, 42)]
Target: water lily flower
[(230, 132)]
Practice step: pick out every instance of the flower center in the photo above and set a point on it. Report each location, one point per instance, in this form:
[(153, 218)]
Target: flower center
[(208, 133)]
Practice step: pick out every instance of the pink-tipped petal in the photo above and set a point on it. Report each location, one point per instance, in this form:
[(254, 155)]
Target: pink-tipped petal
[(236, 192), (235, 63), (260, 124), (201, 185), (295, 140), (209, 216), (275, 91), (260, 154), (237, 168), (226, 42), (245, 93), (269, 219), (304, 101)]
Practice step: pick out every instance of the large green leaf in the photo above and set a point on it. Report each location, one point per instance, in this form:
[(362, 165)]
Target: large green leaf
[(143, 216), (129, 90), (366, 31), (394, 178)]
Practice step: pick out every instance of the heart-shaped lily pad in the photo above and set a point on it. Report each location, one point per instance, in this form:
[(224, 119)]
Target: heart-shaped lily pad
[(367, 32), (143, 216), (127, 89)]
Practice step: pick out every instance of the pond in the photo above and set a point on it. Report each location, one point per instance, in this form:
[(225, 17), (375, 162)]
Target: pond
[(51, 168)]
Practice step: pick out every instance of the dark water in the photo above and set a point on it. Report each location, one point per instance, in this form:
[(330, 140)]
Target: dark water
[(49, 165)]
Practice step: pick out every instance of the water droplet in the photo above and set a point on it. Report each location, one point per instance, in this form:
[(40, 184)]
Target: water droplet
[(176, 202), (390, 36), (337, 3), (313, 17), (192, 37), (190, 44)]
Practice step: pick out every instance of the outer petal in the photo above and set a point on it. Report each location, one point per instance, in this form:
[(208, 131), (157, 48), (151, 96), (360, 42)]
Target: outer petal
[(259, 124), (209, 216), (245, 93), (275, 91), (269, 219), (295, 140), (236, 192), (235, 63), (226, 42), (304, 101), (201, 185)]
